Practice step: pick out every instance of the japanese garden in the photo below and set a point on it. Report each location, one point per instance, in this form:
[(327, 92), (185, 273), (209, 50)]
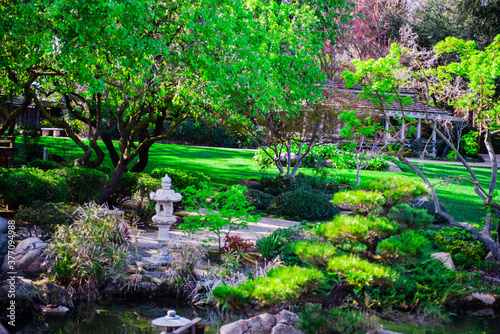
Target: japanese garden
[(249, 166)]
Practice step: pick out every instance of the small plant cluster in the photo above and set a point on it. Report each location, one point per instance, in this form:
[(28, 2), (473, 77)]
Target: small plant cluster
[(339, 158), (88, 253), (304, 197), (280, 244), (218, 212), (350, 252), (46, 215)]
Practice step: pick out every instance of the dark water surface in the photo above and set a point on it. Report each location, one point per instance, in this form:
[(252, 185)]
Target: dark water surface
[(136, 317)]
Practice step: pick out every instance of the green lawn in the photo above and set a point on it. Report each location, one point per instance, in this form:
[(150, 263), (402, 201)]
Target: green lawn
[(227, 166)]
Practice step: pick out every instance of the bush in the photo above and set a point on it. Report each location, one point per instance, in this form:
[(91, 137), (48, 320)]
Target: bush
[(431, 210), (194, 133), (420, 283), (408, 217), (408, 244), (23, 186), (126, 186), (40, 213), (396, 190), (359, 201), (280, 243), (465, 251), (258, 199), (303, 204), (181, 179), (43, 164), (91, 251), (85, 184)]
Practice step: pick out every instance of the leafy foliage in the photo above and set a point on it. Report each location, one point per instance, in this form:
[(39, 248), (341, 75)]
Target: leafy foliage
[(85, 184), (23, 186), (281, 285), (431, 210), (46, 214), (89, 252), (409, 244), (258, 199), (359, 201), (181, 179), (419, 283), (43, 164), (281, 243), (303, 204), (316, 320), (228, 209), (408, 217)]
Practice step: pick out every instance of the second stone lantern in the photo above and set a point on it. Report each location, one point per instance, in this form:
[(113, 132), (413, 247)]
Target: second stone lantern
[(164, 197)]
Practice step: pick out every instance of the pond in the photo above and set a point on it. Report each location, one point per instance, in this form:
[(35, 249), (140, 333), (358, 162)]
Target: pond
[(135, 317)]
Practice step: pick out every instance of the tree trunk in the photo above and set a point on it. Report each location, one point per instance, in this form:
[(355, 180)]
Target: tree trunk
[(112, 185)]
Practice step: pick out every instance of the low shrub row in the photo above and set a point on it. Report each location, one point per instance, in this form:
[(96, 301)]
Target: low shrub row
[(338, 158)]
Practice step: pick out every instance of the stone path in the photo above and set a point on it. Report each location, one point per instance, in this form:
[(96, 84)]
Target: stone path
[(146, 241)]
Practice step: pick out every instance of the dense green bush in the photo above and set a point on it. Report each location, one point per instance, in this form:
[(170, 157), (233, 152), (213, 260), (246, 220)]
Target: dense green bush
[(303, 204), (281, 243), (46, 214), (465, 251), (91, 251), (408, 217), (419, 283), (258, 199), (23, 186), (431, 210), (181, 179), (409, 244), (279, 184), (43, 164), (194, 133), (85, 184), (283, 284)]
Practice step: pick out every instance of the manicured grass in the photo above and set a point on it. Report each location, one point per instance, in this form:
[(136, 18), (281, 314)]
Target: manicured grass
[(227, 166)]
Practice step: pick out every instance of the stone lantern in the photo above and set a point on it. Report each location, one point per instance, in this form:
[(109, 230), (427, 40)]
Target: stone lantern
[(170, 322), (165, 197)]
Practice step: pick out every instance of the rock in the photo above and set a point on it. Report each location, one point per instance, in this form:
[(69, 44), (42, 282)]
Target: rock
[(53, 294), (237, 327), (248, 183), (490, 258), (268, 319), (445, 258), (281, 323), (285, 329), (3, 238), (29, 257), (481, 299), (286, 317), (392, 167), (56, 311), (293, 158)]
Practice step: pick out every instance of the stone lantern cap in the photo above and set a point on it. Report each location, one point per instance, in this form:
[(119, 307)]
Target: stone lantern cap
[(165, 194), (171, 320)]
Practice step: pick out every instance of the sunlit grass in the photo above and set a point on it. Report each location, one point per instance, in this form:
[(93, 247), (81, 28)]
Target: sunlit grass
[(227, 166)]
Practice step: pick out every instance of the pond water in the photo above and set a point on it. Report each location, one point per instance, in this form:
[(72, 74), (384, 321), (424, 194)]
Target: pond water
[(134, 317)]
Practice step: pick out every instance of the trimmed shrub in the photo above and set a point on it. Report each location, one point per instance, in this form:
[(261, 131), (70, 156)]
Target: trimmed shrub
[(43, 164), (408, 217), (181, 179), (85, 184), (258, 199), (408, 244), (431, 210), (303, 204), (23, 186), (46, 215), (465, 251)]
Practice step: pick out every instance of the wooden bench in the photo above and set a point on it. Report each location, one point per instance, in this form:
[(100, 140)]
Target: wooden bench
[(56, 132)]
